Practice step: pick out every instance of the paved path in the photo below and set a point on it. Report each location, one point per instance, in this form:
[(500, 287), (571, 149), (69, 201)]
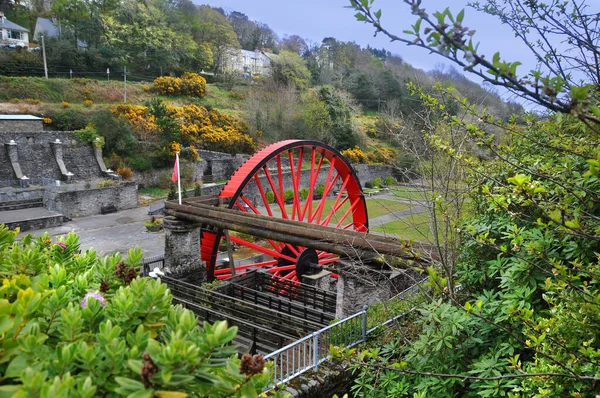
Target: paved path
[(110, 233)]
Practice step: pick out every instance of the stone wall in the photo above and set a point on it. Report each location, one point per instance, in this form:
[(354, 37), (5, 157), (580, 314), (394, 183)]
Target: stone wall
[(7, 194), (367, 172), (331, 378), (88, 202), (37, 159), (161, 177), (221, 165), (357, 288), (21, 125), (218, 164)]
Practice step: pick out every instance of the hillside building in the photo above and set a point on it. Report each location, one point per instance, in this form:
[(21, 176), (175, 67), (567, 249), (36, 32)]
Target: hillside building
[(250, 62), (11, 34), (51, 28)]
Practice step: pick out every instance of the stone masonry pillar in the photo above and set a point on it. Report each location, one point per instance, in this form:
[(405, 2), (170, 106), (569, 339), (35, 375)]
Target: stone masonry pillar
[(98, 156), (13, 156), (182, 251), (58, 157)]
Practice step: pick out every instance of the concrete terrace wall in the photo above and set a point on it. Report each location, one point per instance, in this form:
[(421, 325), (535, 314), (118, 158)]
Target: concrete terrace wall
[(21, 125), (37, 158), (87, 202)]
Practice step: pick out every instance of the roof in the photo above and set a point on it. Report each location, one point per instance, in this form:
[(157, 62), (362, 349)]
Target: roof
[(46, 25), (6, 24), (250, 53), (19, 117)]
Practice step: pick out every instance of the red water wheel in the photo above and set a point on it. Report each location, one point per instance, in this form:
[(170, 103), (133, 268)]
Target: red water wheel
[(306, 181)]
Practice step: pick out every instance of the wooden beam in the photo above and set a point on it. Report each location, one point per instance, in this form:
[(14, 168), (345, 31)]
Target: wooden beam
[(334, 240)]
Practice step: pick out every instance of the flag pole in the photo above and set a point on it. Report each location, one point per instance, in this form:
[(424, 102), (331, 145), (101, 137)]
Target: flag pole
[(178, 176)]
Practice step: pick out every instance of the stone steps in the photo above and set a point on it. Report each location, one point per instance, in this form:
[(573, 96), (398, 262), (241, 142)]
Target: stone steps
[(10, 205)]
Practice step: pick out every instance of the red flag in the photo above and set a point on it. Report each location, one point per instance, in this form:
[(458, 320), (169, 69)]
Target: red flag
[(175, 172)]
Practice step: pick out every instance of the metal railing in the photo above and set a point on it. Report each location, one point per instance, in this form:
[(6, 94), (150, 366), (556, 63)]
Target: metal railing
[(310, 351), (26, 183), (149, 263)]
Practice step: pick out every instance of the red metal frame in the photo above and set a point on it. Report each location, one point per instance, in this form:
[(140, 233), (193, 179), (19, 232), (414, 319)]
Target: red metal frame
[(262, 165)]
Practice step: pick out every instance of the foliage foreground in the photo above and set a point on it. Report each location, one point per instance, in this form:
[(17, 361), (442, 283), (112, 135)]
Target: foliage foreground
[(73, 324), (526, 320)]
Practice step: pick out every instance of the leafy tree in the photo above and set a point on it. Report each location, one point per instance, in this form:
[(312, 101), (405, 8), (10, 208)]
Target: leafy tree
[(342, 131), (252, 34), (541, 26), (290, 69), (144, 30), (294, 43), (525, 323), (214, 29)]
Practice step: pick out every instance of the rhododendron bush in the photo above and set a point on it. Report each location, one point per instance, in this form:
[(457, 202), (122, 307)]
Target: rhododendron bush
[(74, 324)]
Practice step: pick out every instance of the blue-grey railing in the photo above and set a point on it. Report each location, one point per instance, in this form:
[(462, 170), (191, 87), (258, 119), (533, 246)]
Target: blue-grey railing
[(310, 351), (26, 183)]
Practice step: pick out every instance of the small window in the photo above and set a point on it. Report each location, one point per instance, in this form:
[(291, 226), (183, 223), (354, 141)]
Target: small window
[(13, 34)]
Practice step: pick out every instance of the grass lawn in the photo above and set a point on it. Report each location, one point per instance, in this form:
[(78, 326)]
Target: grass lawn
[(415, 227), (379, 207), (375, 207), (409, 193), (155, 192)]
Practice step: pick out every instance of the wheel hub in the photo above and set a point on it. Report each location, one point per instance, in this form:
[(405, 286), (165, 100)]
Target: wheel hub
[(308, 263)]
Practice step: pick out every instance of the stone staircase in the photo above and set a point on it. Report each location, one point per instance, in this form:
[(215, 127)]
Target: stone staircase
[(21, 204), (28, 214)]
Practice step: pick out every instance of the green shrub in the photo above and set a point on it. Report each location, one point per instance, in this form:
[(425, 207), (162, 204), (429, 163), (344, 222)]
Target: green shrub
[(197, 189), (288, 196), (389, 181), (69, 120), (117, 134), (77, 325), (304, 193), (368, 184), (320, 190), (270, 196), (140, 163), (89, 135), (377, 182), (172, 192)]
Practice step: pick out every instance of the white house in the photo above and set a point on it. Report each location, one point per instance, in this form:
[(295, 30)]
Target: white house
[(12, 34), (252, 62)]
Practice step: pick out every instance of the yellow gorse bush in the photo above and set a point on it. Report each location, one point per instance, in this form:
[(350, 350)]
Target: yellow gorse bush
[(199, 127), (188, 84), (355, 155)]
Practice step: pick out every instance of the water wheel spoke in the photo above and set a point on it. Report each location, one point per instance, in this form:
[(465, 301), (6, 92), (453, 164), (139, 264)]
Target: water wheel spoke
[(258, 186), (260, 249)]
